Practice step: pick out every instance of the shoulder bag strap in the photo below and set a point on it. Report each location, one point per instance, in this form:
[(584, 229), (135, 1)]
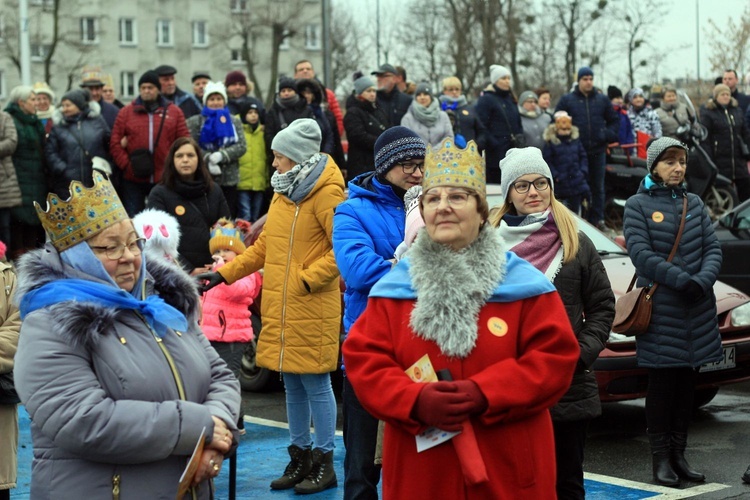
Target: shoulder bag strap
[(161, 125), (676, 241)]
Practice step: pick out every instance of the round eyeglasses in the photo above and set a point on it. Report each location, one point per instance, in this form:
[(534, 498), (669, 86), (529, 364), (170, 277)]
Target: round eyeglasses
[(116, 252)]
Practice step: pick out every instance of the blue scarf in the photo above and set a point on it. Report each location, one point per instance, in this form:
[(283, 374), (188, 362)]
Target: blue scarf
[(217, 131), (157, 313)]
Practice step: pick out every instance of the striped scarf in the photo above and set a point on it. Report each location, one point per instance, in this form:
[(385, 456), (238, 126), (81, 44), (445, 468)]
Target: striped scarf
[(537, 240)]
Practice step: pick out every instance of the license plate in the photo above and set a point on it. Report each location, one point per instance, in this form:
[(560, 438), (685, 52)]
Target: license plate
[(723, 364)]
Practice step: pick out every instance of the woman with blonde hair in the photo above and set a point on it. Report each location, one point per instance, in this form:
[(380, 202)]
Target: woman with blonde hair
[(538, 228)]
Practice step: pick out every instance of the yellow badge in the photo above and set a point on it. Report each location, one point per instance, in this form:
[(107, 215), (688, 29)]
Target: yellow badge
[(179, 210), (657, 217), (223, 119), (497, 326), (464, 111)]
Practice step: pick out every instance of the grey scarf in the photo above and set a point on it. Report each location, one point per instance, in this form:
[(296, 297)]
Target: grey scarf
[(452, 287), (287, 102), (287, 182), (427, 116)]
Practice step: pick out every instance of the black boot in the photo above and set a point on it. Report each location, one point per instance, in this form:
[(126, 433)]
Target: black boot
[(321, 477), (677, 454), (663, 472), (298, 468), (746, 476)]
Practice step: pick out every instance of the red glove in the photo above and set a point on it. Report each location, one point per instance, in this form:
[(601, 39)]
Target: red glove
[(471, 389), (441, 405)]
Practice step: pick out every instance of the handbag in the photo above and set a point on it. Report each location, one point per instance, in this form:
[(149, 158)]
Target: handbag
[(516, 140), (633, 310), (142, 159), (8, 394)]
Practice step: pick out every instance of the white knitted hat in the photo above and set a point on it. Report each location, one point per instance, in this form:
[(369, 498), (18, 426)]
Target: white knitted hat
[(519, 162), (214, 88)]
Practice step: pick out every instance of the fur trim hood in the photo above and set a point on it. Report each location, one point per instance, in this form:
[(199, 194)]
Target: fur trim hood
[(94, 110), (711, 104), (81, 323), (550, 134)]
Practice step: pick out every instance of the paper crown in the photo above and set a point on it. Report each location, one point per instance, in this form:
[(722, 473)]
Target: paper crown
[(86, 213), (448, 165)]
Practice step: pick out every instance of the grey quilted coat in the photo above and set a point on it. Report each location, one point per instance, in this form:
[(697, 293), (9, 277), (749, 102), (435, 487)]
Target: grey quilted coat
[(682, 333), (104, 403), (10, 193)]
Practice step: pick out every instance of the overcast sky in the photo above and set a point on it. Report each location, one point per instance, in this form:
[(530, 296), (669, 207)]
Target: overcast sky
[(675, 30)]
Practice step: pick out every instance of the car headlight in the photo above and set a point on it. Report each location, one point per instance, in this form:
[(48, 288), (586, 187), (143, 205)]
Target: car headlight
[(740, 316)]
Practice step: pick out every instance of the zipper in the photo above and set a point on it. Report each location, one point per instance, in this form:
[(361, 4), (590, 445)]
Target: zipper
[(116, 487), (730, 122), (168, 357), (286, 281)]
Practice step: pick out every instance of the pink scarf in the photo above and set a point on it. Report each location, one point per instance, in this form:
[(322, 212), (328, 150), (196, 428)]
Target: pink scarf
[(536, 240)]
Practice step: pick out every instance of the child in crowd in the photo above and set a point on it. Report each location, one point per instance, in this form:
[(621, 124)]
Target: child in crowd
[(226, 315), (253, 168), (567, 161)]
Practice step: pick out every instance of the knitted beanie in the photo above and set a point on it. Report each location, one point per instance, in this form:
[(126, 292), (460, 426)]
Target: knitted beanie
[(658, 147), (526, 95), (519, 162), (396, 145), (287, 83), (585, 71), (226, 237), (721, 88), (79, 97), (363, 83), (423, 88), (497, 72), (299, 141), (613, 92), (633, 93), (151, 77), (214, 88), (235, 77)]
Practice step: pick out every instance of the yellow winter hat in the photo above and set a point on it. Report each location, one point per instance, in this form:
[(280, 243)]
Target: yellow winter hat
[(226, 237)]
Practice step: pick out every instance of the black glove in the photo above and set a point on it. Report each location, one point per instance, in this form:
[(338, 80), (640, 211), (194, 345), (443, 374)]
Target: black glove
[(209, 280), (694, 292)]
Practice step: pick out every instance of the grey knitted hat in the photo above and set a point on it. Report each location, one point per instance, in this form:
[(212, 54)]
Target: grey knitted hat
[(79, 97), (423, 88), (362, 83), (299, 141), (526, 95), (519, 162), (657, 147)]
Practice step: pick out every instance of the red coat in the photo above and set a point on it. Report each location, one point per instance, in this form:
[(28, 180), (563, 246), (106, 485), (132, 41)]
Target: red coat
[(141, 129), (522, 373)]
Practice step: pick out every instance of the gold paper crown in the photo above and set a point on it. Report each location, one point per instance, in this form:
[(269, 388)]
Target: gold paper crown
[(448, 165), (86, 213)]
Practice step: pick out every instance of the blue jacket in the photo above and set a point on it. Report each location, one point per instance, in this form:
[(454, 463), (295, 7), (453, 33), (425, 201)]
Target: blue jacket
[(594, 116), (567, 162), (682, 332), (367, 228), (492, 109)]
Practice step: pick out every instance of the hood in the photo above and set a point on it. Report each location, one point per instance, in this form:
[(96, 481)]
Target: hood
[(82, 323), (94, 110), (550, 134), (313, 86), (711, 104), (367, 186)]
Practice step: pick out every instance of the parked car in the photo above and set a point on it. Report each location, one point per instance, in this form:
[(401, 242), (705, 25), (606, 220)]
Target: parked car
[(733, 231), (617, 372)]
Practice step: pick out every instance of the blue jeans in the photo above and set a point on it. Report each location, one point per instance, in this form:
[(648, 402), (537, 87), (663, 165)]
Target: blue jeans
[(305, 395), (361, 475), (597, 161), (133, 195), (249, 205)]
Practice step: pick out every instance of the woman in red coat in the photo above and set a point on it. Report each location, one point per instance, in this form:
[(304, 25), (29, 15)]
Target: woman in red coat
[(485, 316)]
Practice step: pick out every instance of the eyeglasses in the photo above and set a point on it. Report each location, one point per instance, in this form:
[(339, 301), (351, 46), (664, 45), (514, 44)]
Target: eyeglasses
[(411, 167), (522, 187), (455, 199), (116, 252)]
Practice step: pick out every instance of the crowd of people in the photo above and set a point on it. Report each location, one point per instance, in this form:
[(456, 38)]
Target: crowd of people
[(142, 234)]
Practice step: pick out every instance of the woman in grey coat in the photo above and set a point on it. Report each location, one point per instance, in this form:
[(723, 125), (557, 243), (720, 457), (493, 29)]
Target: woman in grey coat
[(119, 381), (683, 334), (426, 118), (533, 120)]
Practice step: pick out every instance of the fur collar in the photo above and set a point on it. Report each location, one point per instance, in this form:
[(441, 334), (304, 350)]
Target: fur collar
[(550, 134), (452, 287), (81, 323), (711, 104), (94, 111)]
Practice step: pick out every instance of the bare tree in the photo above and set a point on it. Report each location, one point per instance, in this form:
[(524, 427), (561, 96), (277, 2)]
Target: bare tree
[(729, 42), (638, 19), (465, 43), (427, 40), (347, 52), (576, 17)]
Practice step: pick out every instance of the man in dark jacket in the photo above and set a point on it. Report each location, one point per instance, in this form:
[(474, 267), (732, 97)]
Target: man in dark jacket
[(137, 128), (367, 228), (238, 94), (199, 80), (394, 103), (599, 125), (730, 79), (95, 86), (169, 91)]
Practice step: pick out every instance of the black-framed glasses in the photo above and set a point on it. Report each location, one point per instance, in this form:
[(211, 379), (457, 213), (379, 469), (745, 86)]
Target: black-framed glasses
[(115, 252), (522, 187), (410, 167)]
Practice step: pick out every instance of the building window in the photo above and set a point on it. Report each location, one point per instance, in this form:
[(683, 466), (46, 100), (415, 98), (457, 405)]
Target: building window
[(127, 84), (128, 32), (89, 30), (285, 43), (238, 5), (236, 57), (39, 51), (200, 34), (164, 33), (312, 37)]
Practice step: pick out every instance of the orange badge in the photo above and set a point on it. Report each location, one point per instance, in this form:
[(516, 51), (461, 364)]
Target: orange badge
[(223, 119), (179, 210), (657, 217), (497, 326)]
